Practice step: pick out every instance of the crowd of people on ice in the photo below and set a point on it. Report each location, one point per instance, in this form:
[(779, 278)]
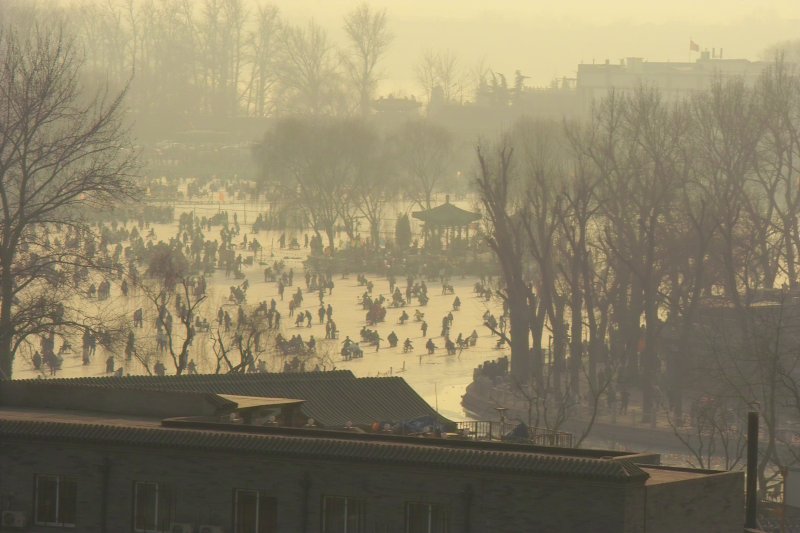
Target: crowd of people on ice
[(130, 252)]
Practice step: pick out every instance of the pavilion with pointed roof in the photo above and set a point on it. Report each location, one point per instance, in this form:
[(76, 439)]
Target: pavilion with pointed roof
[(448, 217)]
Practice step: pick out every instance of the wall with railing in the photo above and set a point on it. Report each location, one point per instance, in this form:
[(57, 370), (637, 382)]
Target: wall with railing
[(499, 430)]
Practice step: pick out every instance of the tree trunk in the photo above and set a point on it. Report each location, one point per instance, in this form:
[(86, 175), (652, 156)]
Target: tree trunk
[(331, 237), (520, 354), (791, 271), (6, 321), (375, 233), (649, 360), (576, 331)]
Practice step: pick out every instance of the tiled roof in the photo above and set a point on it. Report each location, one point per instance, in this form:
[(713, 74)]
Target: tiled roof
[(331, 398), (446, 215), (131, 380), (349, 447)]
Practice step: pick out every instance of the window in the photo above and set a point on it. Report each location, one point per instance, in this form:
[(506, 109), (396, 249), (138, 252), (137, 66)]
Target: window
[(342, 515), (152, 507), (254, 512), (56, 501), (425, 518)]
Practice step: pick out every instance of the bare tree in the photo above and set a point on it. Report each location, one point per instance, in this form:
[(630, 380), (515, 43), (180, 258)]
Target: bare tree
[(172, 283), (167, 79), (788, 50), (375, 182), (636, 148), (687, 281), (241, 349), (59, 152), (220, 32), (369, 38), (541, 168), (310, 77), (756, 365), (262, 43), (729, 126), (588, 269), (438, 75), (425, 152), (506, 239), (314, 161), (716, 437), (777, 169), (106, 40)]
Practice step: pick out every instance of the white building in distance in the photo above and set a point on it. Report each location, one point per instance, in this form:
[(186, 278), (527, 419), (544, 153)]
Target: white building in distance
[(674, 80)]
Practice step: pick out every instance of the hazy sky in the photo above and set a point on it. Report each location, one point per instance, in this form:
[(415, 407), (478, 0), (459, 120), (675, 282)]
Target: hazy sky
[(547, 39)]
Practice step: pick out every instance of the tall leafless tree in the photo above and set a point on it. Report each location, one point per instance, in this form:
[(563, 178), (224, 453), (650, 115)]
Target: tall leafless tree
[(60, 153), (369, 38), (424, 155), (261, 45), (506, 238), (438, 74), (309, 70)]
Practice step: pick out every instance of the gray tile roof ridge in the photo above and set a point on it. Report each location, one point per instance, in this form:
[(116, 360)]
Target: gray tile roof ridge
[(335, 446), (333, 398), (112, 380)]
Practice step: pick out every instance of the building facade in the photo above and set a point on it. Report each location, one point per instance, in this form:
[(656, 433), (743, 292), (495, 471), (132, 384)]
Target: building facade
[(673, 80), (206, 470)]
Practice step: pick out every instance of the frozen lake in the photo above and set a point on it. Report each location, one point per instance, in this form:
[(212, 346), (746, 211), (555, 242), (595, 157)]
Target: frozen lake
[(440, 379)]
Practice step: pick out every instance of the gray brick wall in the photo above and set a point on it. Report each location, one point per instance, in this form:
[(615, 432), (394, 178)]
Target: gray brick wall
[(204, 484), (711, 504)]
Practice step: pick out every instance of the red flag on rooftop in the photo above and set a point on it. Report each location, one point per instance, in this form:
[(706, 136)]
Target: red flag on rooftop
[(693, 46)]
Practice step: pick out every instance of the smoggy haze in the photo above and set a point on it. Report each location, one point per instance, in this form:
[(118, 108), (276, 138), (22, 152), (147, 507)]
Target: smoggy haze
[(548, 39)]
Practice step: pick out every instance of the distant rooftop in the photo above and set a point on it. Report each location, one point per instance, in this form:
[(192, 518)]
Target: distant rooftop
[(674, 79), (114, 412), (331, 398), (80, 428)]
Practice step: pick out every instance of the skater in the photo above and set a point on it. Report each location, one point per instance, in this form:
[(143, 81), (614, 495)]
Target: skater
[(392, 338), (430, 346)]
